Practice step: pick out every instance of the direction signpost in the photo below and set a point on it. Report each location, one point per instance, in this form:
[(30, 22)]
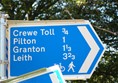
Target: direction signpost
[(73, 45)]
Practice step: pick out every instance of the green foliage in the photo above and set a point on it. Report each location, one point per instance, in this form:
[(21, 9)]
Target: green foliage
[(103, 14), (18, 9)]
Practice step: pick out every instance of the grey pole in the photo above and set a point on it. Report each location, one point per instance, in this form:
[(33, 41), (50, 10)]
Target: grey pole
[(2, 45)]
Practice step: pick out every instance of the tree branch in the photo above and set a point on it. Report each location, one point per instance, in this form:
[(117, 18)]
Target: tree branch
[(113, 33)]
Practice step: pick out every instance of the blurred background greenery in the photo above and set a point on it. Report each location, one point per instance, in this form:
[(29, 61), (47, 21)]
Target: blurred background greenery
[(103, 14)]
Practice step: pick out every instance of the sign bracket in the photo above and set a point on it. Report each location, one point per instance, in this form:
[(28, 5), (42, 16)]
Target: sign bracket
[(4, 62)]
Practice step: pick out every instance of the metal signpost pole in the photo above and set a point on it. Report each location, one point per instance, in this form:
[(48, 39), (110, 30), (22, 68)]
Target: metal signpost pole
[(2, 45)]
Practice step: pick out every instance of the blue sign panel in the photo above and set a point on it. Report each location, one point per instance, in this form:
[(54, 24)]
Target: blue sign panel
[(75, 48)]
